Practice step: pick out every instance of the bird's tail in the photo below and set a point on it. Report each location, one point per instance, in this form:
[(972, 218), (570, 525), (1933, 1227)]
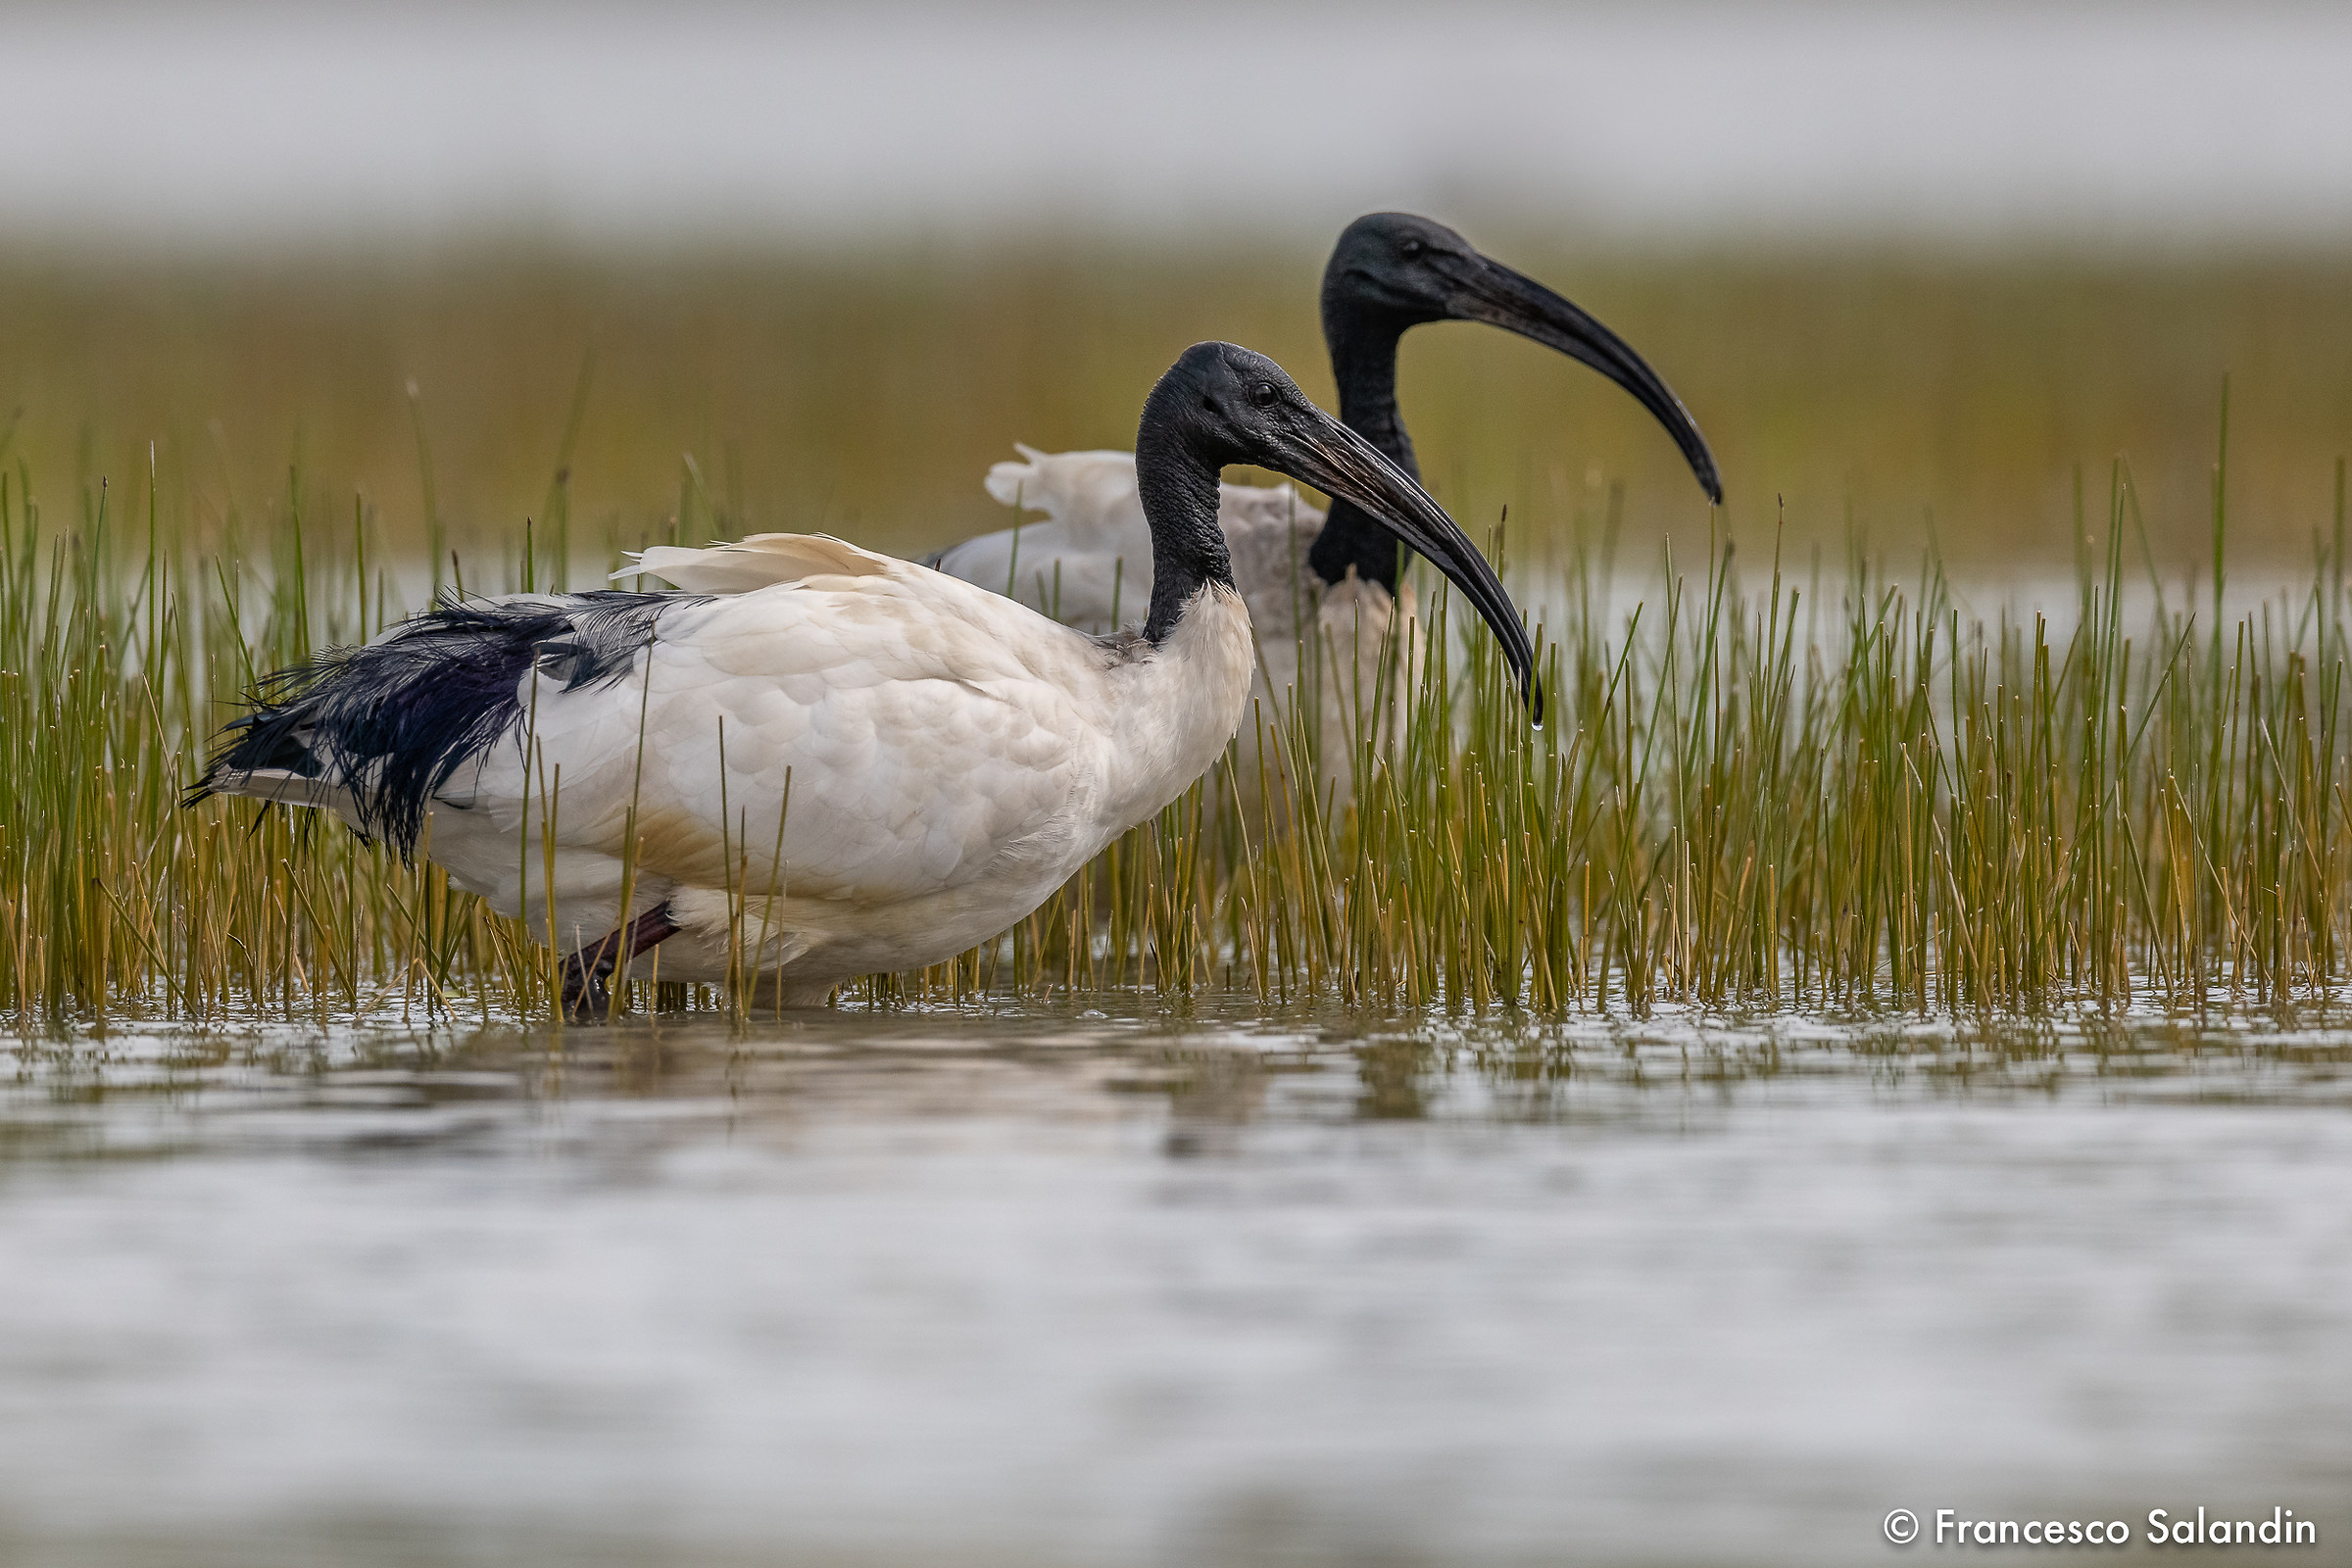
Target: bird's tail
[(374, 731), (1083, 490)]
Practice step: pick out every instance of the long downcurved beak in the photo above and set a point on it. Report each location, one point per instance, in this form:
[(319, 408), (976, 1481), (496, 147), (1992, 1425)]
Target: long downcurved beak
[(1491, 292), (1334, 459)]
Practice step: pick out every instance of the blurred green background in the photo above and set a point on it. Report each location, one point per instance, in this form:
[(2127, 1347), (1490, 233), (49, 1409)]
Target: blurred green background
[(1872, 390)]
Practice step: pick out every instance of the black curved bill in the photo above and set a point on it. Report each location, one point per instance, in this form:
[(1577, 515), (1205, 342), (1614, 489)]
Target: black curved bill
[(1339, 462), (1493, 293)]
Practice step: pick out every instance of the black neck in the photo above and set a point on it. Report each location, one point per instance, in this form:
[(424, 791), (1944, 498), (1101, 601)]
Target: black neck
[(1363, 359), (1179, 491)]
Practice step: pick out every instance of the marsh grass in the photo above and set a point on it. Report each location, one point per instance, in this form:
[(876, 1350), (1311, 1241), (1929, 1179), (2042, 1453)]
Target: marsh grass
[(1758, 796), (1759, 789)]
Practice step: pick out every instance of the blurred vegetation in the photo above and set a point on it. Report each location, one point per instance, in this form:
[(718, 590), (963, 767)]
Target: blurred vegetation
[(867, 395), (1849, 784)]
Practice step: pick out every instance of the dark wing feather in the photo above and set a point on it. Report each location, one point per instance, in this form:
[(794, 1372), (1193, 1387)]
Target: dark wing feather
[(390, 722)]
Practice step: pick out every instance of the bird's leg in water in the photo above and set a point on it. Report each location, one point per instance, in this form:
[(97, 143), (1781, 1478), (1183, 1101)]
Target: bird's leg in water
[(586, 971)]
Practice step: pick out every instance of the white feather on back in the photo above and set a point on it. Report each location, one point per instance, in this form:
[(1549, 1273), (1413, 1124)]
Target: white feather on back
[(757, 561)]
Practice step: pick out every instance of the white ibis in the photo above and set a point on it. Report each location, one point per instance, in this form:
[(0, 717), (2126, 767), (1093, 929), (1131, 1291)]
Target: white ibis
[(863, 766)]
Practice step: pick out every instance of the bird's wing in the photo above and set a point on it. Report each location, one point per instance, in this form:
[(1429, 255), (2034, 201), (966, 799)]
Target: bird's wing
[(757, 561), (931, 732)]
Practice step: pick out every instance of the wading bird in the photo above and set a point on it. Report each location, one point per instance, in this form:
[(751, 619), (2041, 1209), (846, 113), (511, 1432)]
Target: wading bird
[(1090, 561), (862, 765)]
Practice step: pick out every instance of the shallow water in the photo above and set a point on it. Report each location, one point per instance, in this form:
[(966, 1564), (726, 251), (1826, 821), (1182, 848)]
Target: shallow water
[(1040, 1286)]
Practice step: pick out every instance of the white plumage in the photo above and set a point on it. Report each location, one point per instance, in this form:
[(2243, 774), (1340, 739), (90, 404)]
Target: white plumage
[(939, 759), (951, 760), (821, 762), (1087, 563)]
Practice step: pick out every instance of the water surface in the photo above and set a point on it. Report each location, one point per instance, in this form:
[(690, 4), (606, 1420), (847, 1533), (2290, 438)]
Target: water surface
[(1037, 1285)]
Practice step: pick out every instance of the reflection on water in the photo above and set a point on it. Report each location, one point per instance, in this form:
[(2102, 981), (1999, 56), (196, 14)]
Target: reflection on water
[(1044, 1286)]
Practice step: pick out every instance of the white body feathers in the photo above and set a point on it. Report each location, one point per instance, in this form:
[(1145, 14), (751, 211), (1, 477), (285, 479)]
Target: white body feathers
[(951, 757), (1089, 564)]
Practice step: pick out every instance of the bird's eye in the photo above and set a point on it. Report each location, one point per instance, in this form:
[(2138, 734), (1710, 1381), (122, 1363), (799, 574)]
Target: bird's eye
[(1263, 394), (1411, 248)]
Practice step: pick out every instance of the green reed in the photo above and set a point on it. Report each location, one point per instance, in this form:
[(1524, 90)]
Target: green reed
[(1755, 794), (1757, 790)]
